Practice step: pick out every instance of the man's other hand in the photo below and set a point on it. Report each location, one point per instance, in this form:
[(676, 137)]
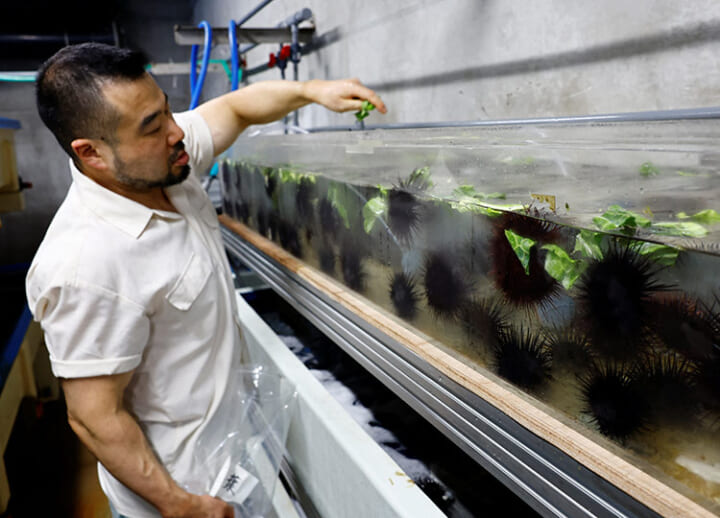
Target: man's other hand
[(201, 506)]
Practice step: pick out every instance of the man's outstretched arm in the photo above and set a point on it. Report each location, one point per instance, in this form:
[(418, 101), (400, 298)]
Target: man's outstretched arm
[(268, 101), (97, 415)]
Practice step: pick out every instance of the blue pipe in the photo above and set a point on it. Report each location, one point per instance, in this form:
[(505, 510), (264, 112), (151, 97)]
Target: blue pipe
[(232, 36), (196, 83)]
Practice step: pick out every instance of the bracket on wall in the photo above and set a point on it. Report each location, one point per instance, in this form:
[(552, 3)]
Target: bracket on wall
[(191, 35)]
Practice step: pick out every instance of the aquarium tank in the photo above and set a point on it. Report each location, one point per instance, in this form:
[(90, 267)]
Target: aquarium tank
[(578, 262)]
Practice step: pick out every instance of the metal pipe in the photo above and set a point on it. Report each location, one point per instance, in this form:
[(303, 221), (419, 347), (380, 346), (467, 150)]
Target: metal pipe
[(643, 116), (295, 58), (298, 17), (55, 38), (301, 15), (253, 12)]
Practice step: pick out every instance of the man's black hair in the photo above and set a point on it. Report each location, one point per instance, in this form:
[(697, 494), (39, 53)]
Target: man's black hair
[(69, 90)]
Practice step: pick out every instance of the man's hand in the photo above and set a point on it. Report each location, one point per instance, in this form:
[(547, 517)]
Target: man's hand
[(97, 414), (342, 95), (200, 506), (267, 101)]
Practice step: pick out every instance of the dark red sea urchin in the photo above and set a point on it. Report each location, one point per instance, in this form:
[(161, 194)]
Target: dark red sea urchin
[(536, 287)]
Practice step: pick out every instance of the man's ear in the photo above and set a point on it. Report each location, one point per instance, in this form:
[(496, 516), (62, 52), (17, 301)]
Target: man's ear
[(91, 153)]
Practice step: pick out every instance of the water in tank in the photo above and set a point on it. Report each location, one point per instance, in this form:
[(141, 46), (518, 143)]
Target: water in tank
[(578, 262)]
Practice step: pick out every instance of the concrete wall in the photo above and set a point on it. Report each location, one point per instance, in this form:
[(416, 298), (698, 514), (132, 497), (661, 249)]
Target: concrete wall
[(442, 60), (431, 60)]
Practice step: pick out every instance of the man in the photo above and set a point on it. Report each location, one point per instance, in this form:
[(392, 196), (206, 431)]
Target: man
[(131, 283)]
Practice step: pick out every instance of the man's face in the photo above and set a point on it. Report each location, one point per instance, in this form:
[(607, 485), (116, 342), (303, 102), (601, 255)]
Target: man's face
[(148, 151)]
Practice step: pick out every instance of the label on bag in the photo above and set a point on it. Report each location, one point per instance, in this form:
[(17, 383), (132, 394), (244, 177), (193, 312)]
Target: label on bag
[(233, 484)]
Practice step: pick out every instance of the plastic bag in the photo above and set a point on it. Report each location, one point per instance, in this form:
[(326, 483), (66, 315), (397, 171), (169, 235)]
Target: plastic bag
[(238, 455)]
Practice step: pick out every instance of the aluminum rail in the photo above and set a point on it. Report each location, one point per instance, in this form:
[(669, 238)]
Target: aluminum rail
[(712, 112), (190, 35), (548, 479)]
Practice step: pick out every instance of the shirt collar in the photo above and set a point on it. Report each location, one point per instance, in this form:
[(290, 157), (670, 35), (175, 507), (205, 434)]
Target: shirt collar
[(129, 216)]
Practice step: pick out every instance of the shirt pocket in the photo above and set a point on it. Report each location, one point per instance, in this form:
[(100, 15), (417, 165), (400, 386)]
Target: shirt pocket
[(190, 284)]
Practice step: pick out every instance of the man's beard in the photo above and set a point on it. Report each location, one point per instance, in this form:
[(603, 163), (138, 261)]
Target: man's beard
[(141, 184)]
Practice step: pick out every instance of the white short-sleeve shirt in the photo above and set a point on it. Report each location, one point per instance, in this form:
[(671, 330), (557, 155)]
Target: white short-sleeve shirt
[(117, 287)]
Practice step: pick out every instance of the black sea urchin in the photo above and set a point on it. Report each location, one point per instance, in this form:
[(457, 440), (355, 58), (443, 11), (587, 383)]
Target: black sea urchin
[(303, 203), (262, 220), (522, 358), (351, 265), (289, 238), (614, 295), (485, 321), (615, 401), (326, 256), (445, 289), (570, 348), (666, 383), (404, 295), (686, 325), (271, 181), (242, 212), (403, 214), (707, 382), (330, 220)]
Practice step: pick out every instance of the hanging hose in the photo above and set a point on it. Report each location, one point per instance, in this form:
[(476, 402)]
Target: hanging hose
[(232, 36), (196, 83)]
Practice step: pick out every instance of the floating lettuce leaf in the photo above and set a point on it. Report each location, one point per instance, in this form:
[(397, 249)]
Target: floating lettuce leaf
[(587, 243), (561, 267), (419, 179), (675, 228), (617, 218), (365, 110), (648, 169), (492, 210), (464, 190), (290, 175), (690, 173), (469, 190), (521, 246), (470, 200), (338, 198), (372, 210), (707, 216), (661, 254)]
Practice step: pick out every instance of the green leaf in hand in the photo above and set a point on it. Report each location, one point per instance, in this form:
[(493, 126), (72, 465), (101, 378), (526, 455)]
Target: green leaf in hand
[(365, 110), (648, 169)]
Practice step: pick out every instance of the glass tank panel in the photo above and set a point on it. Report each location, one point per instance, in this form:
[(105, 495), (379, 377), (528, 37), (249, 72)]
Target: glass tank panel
[(579, 262)]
